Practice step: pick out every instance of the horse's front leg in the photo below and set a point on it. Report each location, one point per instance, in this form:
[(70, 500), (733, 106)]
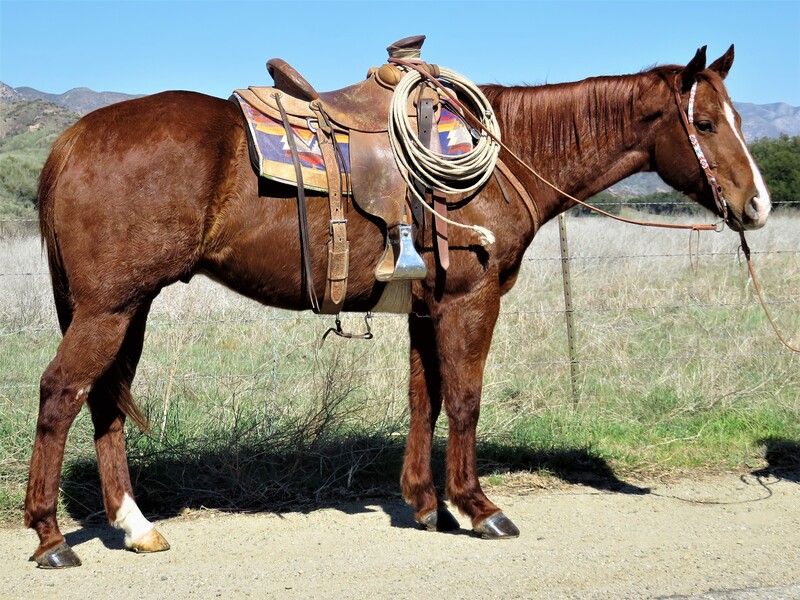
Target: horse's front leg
[(464, 327), (425, 404)]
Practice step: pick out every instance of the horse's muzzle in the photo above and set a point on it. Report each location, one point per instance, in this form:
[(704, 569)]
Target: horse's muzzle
[(753, 215)]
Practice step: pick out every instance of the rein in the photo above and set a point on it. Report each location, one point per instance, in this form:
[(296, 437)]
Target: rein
[(688, 122), (451, 98), (746, 252), (722, 204)]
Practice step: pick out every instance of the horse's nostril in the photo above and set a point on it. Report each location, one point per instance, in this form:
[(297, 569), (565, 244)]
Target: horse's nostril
[(748, 214), (755, 213), (751, 210)]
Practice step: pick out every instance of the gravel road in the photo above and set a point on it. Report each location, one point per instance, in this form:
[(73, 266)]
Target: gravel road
[(725, 536)]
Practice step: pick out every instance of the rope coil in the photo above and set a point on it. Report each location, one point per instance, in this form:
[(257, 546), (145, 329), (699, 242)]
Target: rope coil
[(450, 174)]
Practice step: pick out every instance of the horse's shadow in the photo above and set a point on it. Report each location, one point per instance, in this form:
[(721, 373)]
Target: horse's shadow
[(356, 475), (783, 459), (91, 529)]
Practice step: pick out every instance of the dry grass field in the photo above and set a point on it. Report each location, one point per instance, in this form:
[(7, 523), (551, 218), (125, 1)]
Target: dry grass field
[(676, 368)]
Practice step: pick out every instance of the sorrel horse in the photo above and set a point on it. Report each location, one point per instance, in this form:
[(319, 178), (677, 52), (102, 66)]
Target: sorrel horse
[(142, 194)]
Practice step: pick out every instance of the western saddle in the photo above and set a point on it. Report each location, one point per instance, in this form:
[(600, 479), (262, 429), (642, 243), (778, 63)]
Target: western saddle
[(374, 181)]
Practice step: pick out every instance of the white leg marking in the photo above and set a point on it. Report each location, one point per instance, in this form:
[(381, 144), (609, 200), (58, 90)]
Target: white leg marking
[(131, 519), (761, 201)]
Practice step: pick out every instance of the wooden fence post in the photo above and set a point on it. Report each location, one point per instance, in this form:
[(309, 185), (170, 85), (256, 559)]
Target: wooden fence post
[(573, 362)]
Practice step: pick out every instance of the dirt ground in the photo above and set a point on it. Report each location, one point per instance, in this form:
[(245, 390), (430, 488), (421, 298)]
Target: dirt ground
[(726, 536)]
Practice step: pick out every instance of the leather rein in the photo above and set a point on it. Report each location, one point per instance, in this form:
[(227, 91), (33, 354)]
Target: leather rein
[(687, 119), (467, 114)]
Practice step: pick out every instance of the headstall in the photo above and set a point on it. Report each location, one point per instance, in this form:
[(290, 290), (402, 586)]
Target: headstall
[(688, 123)]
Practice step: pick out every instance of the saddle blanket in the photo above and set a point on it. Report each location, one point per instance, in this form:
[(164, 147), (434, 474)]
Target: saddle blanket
[(272, 158)]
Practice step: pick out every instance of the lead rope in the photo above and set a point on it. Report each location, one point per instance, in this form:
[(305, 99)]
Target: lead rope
[(746, 252), (722, 204)]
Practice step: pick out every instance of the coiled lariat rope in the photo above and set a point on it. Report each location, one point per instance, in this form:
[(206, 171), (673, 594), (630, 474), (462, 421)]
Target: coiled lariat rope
[(450, 174)]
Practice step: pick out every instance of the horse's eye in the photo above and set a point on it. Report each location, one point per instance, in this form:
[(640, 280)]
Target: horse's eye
[(706, 126)]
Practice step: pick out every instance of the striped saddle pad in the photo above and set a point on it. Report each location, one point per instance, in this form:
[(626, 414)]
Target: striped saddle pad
[(272, 158)]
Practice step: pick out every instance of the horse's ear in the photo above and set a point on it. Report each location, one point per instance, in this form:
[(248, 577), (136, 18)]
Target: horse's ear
[(697, 64), (723, 64)]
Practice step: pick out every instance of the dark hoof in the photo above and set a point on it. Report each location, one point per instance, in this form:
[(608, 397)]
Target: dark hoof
[(58, 557), (497, 527), (439, 520)]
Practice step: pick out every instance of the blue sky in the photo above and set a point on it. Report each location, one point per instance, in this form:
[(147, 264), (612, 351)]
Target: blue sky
[(147, 46)]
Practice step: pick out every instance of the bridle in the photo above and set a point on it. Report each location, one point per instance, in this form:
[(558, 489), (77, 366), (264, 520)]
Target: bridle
[(722, 204), (688, 124)]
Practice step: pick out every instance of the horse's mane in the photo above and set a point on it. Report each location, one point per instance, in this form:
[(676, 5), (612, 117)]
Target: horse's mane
[(572, 118)]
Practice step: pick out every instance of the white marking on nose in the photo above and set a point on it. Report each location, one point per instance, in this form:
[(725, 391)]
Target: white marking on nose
[(132, 521), (761, 205)]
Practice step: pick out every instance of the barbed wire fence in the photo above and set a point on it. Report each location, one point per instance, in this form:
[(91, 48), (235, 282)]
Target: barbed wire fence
[(609, 326)]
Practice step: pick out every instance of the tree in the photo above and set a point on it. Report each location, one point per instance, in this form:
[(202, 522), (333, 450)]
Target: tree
[(779, 163)]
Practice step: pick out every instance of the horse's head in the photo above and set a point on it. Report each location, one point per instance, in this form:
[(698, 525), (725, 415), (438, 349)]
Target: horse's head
[(702, 147)]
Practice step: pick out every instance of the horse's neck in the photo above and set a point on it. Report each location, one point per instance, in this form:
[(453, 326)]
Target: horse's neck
[(582, 137)]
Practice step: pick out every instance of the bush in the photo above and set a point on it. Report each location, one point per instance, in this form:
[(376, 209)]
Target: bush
[(18, 183)]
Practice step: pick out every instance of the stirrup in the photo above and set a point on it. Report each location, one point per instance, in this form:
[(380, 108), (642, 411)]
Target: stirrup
[(400, 260)]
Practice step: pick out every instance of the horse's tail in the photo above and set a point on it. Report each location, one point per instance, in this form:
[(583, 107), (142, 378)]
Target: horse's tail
[(46, 200), (48, 181)]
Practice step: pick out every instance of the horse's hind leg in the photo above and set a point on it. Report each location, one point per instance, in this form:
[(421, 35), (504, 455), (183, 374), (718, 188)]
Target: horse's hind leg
[(89, 347), (110, 394)]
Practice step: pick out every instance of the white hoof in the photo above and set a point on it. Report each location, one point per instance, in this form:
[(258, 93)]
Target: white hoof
[(152, 541)]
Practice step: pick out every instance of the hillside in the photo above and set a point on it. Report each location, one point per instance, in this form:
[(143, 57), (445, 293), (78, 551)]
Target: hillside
[(9, 94), (27, 130), (24, 117), (30, 121), (768, 120)]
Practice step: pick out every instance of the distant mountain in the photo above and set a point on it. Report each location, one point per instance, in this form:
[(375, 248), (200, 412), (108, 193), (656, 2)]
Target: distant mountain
[(768, 120), (81, 100), (9, 94), (758, 121)]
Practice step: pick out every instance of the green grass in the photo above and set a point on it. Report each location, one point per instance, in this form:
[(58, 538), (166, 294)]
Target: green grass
[(675, 371)]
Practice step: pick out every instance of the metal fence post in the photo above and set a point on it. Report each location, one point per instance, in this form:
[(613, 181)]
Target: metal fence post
[(573, 363)]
